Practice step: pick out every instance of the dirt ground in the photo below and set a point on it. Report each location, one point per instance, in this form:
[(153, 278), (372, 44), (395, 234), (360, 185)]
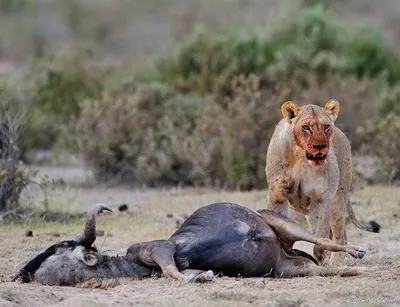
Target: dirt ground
[(147, 219)]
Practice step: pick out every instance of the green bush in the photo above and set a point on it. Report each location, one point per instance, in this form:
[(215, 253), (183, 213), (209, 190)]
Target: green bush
[(156, 136), (14, 175), (13, 103), (309, 40), (381, 138), (204, 114), (243, 129), (306, 56), (367, 54), (143, 137), (12, 6), (53, 102), (390, 98)]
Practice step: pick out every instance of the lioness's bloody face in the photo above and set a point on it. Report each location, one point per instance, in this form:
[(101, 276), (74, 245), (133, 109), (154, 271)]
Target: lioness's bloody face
[(313, 135), (312, 128)]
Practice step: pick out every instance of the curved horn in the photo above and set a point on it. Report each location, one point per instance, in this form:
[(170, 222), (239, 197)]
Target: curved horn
[(89, 235)]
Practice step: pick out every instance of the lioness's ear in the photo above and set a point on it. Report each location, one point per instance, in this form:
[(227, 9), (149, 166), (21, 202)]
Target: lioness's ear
[(290, 110), (332, 107)]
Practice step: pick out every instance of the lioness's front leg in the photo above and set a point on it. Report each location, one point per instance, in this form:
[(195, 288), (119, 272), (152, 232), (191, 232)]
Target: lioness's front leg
[(320, 216), (337, 226), (278, 207), (279, 189)]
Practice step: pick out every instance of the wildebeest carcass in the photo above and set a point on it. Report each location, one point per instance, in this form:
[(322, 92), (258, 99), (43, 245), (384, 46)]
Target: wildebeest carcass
[(218, 238)]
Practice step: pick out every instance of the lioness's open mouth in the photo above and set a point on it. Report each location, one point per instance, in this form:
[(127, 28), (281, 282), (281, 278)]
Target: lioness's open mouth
[(317, 157)]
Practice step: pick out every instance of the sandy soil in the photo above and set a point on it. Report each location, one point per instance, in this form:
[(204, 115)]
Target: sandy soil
[(147, 219)]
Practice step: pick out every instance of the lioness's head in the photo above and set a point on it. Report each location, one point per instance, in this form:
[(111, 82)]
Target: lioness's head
[(312, 128)]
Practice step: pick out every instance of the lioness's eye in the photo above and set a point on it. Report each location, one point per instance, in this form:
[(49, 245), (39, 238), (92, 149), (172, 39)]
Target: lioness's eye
[(327, 127), (305, 127)]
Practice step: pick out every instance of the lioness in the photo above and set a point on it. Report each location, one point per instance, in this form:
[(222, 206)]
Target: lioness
[(308, 164)]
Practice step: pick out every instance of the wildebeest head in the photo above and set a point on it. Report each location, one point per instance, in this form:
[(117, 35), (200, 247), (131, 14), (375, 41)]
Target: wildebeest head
[(76, 262)]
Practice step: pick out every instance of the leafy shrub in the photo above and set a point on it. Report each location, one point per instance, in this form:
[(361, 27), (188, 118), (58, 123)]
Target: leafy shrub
[(147, 137), (381, 138), (367, 54), (12, 6), (156, 136), (244, 129), (50, 101), (306, 56), (309, 40), (54, 101), (317, 2), (12, 105), (120, 135), (14, 175), (390, 101), (204, 114)]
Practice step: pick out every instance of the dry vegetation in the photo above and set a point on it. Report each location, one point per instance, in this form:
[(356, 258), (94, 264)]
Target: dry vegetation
[(174, 122), (147, 219), (50, 65)]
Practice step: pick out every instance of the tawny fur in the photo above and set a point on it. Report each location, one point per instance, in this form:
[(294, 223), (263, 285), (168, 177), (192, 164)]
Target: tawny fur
[(309, 168)]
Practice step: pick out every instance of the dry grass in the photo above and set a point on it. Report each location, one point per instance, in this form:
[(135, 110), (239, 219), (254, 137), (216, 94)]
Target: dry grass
[(147, 219)]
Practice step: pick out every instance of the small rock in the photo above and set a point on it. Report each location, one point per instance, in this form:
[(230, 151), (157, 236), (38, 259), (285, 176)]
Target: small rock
[(123, 207), (170, 215), (259, 284), (29, 233)]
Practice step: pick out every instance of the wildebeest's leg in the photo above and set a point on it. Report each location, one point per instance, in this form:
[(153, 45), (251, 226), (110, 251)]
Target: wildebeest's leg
[(163, 256), (290, 232), (200, 275), (300, 267), (160, 253)]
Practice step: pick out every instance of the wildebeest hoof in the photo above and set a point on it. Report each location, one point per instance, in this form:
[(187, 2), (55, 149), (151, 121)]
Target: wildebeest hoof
[(205, 276), (209, 275), (190, 278), (361, 252)]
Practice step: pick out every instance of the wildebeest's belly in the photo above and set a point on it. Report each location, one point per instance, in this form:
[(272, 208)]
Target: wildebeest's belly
[(226, 238)]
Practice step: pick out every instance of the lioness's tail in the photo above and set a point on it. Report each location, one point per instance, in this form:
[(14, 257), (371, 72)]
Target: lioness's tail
[(371, 226)]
